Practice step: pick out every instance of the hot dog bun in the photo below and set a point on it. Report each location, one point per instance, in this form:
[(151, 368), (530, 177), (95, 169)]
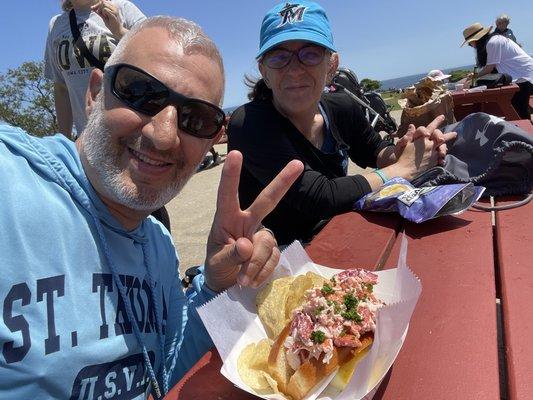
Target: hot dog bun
[(297, 383)]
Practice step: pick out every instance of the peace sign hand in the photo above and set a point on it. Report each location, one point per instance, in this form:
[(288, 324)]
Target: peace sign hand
[(237, 249)]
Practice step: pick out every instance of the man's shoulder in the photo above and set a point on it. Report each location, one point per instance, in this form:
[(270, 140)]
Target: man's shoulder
[(122, 3), (497, 40), (129, 8), (56, 20), (157, 232)]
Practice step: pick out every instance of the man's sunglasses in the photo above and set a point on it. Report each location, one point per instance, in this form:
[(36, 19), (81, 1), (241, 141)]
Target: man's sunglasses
[(308, 55), (144, 93)]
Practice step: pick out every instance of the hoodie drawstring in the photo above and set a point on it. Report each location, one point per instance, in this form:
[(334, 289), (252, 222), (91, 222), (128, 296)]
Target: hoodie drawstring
[(129, 312)]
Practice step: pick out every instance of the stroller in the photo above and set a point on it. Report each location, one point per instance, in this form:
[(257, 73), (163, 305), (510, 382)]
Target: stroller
[(372, 104)]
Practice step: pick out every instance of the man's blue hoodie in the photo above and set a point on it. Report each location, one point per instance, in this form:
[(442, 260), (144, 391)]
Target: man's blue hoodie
[(65, 331)]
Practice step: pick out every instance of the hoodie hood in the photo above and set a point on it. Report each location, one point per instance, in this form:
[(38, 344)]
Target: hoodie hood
[(61, 232), (57, 158)]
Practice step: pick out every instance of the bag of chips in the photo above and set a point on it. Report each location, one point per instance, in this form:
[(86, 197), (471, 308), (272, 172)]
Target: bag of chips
[(420, 204)]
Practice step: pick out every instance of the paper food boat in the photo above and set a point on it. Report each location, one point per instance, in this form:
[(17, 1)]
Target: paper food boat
[(231, 320)]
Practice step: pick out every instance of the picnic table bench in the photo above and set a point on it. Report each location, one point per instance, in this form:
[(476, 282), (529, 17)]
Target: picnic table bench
[(495, 101)]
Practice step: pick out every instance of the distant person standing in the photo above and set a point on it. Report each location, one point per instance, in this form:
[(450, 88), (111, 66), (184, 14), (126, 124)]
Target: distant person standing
[(504, 54), (99, 25), (502, 23)]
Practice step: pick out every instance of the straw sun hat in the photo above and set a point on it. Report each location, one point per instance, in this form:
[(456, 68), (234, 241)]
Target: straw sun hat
[(475, 32)]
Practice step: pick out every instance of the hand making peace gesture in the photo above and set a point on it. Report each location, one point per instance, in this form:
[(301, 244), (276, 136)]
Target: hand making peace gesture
[(238, 250)]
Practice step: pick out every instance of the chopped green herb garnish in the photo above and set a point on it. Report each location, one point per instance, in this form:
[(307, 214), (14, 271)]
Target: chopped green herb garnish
[(350, 301), (329, 302), (318, 336), (352, 315), (336, 308), (327, 289), (369, 287), (318, 310)]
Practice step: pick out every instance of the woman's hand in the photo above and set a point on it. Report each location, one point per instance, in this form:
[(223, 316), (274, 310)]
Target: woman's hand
[(109, 13), (420, 149), (431, 132), (417, 156), (238, 249)]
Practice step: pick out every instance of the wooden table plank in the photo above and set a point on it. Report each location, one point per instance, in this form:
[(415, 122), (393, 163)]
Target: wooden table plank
[(524, 124), (204, 381), (514, 243), (451, 347), (495, 101), (353, 239)]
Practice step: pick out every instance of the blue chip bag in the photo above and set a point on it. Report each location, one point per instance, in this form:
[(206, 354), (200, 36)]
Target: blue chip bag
[(420, 204)]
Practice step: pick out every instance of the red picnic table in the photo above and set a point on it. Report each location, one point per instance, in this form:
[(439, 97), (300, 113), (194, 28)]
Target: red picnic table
[(475, 275), (495, 101), (470, 334)]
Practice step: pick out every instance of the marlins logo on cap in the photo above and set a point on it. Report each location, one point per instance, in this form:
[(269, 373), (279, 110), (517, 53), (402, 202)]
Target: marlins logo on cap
[(302, 20), (291, 13)]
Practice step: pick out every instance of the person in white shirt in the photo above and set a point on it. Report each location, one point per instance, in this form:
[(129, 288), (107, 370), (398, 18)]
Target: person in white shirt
[(101, 24), (507, 57)]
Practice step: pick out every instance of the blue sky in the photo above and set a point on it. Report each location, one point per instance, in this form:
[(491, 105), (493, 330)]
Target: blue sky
[(378, 39)]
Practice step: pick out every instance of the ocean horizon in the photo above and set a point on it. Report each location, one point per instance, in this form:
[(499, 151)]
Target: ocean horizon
[(405, 81), (394, 83)]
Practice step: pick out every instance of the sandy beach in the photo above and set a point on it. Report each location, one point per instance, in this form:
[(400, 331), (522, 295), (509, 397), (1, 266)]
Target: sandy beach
[(191, 212)]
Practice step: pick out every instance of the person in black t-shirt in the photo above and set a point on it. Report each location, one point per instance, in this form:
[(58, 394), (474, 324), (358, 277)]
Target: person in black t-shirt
[(502, 23), (292, 117)]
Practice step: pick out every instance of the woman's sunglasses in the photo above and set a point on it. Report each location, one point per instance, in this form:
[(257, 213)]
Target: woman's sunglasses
[(144, 93), (308, 55)]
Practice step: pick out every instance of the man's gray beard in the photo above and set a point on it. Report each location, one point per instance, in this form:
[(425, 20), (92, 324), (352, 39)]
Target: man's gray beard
[(104, 157)]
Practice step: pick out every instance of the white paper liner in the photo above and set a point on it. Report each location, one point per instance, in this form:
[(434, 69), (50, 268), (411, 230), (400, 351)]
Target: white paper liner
[(231, 320)]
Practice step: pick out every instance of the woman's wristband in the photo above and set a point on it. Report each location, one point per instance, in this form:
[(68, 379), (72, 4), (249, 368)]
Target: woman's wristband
[(381, 174)]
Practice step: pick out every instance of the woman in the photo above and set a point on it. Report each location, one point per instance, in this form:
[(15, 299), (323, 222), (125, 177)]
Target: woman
[(101, 24), (502, 53), (291, 117)]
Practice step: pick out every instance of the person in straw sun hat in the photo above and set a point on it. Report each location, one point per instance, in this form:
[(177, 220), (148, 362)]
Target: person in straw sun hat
[(475, 32), (497, 51)]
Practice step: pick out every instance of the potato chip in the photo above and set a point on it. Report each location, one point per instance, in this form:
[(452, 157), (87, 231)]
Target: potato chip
[(252, 365), (271, 382), (271, 305), (297, 290)]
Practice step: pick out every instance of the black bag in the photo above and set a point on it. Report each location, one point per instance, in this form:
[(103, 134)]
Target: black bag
[(489, 152), (378, 104), (346, 78), (494, 80), (80, 44)]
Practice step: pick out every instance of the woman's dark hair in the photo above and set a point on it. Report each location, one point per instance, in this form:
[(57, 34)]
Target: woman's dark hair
[(481, 50), (258, 88)]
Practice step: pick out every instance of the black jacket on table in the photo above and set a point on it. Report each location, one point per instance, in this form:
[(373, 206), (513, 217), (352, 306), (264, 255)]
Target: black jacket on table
[(268, 141)]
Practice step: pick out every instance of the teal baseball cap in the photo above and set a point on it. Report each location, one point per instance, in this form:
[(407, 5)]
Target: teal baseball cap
[(301, 20)]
